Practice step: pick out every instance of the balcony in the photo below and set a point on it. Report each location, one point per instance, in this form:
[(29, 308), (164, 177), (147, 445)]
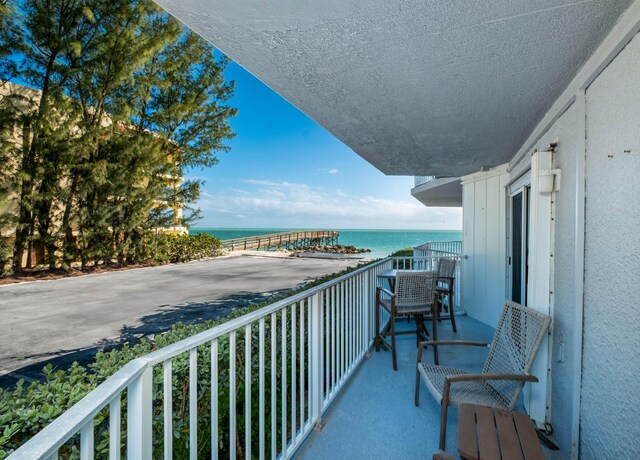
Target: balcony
[(375, 416), (438, 191), (419, 180), (300, 374)]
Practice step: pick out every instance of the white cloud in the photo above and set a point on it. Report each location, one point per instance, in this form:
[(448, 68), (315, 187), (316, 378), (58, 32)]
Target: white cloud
[(267, 183), (288, 204), (333, 171)]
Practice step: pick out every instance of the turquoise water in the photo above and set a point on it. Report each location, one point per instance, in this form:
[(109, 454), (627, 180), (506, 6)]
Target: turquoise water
[(381, 242)]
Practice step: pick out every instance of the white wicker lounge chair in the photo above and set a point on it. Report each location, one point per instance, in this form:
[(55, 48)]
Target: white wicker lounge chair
[(414, 296), (512, 351)]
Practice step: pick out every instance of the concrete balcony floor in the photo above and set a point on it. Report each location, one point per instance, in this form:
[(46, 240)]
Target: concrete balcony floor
[(375, 416)]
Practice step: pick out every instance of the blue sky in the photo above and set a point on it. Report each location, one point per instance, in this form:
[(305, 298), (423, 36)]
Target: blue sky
[(284, 170)]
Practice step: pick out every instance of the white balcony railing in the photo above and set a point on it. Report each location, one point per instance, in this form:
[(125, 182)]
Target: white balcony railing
[(438, 248), (291, 359), (419, 180)]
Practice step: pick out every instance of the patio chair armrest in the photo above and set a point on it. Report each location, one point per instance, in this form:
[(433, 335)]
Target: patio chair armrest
[(386, 291), (476, 377)]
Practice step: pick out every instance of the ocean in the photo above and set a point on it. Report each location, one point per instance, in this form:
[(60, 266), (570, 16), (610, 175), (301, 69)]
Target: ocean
[(380, 242)]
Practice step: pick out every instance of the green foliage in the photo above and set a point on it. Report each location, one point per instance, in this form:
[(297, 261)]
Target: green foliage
[(26, 410), (125, 102), (406, 252), (183, 248), (8, 41)]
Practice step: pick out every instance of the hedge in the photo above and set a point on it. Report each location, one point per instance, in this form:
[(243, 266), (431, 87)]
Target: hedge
[(26, 410), (183, 248)]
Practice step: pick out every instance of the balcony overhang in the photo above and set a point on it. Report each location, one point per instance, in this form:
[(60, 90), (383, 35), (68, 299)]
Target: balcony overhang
[(444, 191), (415, 88)]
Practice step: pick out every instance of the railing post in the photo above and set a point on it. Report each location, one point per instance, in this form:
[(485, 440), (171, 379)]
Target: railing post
[(316, 384), (366, 281), (139, 394), (457, 301)]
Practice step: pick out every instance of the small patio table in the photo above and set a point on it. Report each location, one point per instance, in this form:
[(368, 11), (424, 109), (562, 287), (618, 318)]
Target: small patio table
[(390, 276)]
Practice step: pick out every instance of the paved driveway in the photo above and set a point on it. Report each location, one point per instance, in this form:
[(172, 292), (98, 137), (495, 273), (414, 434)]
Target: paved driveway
[(69, 317)]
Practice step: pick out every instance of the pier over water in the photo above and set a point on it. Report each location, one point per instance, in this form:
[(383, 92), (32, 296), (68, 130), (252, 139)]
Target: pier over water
[(284, 240)]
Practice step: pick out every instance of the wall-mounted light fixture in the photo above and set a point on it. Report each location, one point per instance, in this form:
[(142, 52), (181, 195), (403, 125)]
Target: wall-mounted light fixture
[(549, 180)]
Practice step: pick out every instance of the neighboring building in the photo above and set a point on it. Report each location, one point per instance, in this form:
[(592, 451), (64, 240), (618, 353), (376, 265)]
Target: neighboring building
[(26, 101)]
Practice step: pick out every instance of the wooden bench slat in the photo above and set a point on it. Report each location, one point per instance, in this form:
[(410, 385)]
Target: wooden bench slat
[(487, 435), (507, 435), (467, 443), (528, 437)]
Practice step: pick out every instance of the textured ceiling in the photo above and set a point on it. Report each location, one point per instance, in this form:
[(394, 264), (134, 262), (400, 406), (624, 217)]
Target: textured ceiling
[(424, 87)]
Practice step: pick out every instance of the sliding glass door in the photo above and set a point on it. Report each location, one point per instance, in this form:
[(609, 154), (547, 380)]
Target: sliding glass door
[(519, 247)]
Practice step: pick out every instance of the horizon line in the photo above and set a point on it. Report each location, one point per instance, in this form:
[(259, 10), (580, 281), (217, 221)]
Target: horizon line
[(330, 228)]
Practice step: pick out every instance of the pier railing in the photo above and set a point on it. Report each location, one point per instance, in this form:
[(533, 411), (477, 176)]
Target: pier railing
[(270, 376), (287, 240)]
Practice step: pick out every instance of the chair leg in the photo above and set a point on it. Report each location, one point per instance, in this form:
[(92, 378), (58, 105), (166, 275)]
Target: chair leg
[(422, 333), (435, 333), (453, 317), (393, 342), (417, 390), (377, 341), (443, 426)]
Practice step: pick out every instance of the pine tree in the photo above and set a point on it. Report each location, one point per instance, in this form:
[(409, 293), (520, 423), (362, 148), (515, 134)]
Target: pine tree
[(181, 95), (9, 42), (99, 181), (7, 120), (126, 102), (51, 32)]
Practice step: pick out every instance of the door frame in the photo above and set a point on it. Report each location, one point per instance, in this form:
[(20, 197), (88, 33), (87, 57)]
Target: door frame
[(521, 187), (539, 276)]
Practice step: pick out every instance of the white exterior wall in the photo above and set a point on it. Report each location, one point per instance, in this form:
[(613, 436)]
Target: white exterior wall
[(567, 130), (596, 271), (484, 207), (610, 410), (609, 120)]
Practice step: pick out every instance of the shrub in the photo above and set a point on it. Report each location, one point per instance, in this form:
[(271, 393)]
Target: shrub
[(26, 410), (183, 248), (406, 252)]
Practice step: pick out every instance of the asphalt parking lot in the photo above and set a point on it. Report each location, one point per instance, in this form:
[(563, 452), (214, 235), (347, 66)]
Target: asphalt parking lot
[(71, 318)]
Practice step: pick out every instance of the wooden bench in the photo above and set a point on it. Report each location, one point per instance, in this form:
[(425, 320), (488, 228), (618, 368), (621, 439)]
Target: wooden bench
[(487, 433)]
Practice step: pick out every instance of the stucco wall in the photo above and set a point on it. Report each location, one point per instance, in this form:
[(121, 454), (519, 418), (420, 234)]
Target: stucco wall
[(610, 362), (605, 131), (610, 411)]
